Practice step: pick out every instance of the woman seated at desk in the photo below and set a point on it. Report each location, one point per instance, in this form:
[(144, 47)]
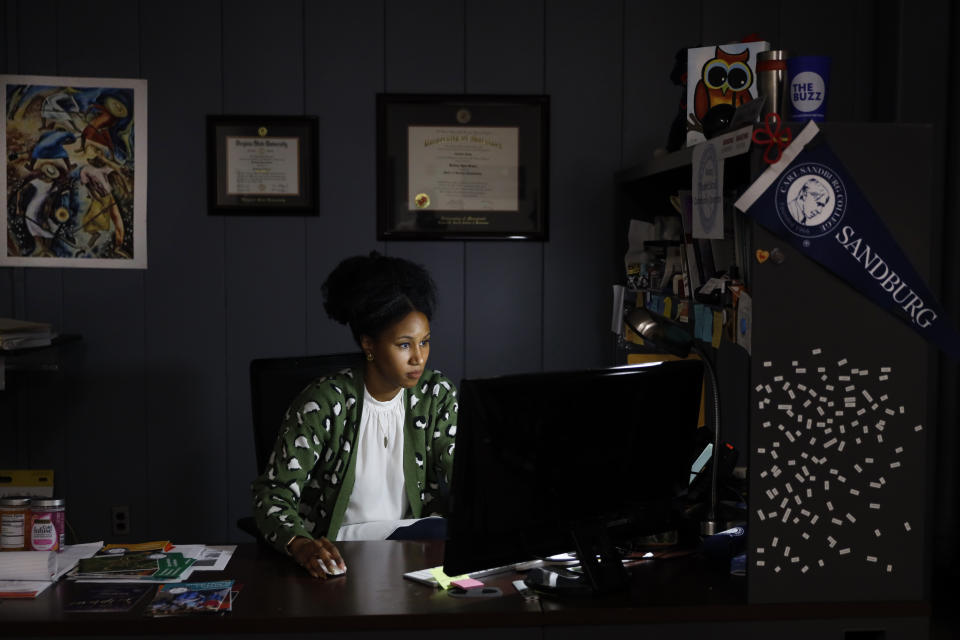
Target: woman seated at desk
[(362, 449)]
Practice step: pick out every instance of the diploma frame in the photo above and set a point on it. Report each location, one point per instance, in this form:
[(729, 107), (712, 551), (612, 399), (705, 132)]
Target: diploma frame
[(503, 195), (262, 165)]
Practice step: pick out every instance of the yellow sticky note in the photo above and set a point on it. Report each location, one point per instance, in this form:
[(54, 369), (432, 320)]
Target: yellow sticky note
[(443, 579), (717, 328), (667, 307)]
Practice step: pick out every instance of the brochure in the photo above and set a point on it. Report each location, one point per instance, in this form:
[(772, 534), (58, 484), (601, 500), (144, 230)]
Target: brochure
[(190, 598)]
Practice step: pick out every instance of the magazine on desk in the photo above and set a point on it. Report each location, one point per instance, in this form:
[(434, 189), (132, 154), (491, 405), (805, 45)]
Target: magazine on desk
[(104, 598), (191, 598)]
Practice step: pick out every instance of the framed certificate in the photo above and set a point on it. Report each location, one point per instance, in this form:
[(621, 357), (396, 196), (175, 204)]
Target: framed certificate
[(461, 167), (264, 165)]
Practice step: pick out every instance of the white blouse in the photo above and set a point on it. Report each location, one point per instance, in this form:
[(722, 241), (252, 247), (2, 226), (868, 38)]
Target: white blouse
[(379, 498)]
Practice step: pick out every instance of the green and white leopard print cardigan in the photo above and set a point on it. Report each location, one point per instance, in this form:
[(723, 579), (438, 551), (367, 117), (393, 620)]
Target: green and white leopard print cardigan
[(305, 489)]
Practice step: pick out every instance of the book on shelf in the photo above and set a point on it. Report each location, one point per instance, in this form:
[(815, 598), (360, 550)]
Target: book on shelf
[(24, 334)]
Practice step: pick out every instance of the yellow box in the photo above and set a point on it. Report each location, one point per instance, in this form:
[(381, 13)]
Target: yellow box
[(30, 483)]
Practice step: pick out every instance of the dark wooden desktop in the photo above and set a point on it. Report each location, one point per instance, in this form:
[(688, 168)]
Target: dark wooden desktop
[(278, 597)]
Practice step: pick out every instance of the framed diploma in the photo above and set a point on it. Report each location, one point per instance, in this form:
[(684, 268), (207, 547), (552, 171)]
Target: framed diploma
[(262, 165), (461, 167)]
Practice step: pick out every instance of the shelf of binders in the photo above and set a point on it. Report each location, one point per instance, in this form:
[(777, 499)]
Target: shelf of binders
[(705, 321)]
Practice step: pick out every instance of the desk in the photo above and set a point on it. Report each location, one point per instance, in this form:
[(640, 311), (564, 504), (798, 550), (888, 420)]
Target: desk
[(679, 598)]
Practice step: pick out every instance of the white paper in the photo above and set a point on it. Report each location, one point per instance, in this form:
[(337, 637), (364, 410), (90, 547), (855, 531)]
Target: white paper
[(28, 565), (463, 168), (263, 166), (735, 143), (707, 190), (21, 588), (65, 561), (714, 284), (208, 557), (73, 553)]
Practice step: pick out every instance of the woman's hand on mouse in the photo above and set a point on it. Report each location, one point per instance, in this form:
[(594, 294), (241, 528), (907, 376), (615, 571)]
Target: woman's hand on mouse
[(319, 557)]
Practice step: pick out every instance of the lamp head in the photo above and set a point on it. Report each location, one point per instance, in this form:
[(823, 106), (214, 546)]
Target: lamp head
[(660, 331)]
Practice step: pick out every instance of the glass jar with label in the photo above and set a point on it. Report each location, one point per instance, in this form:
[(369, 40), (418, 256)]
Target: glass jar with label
[(14, 515), (47, 519)]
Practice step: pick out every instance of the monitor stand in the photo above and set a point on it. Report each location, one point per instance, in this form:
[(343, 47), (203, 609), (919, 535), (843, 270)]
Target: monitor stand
[(601, 568)]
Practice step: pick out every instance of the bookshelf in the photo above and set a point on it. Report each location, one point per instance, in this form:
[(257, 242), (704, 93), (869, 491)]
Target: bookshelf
[(852, 526)]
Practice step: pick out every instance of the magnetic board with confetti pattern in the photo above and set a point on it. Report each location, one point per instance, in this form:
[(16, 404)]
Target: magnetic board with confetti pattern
[(840, 475), (840, 478)]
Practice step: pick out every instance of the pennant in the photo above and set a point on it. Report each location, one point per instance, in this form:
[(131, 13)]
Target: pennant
[(809, 199)]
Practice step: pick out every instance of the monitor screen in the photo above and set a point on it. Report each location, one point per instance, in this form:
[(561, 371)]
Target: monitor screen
[(542, 455)]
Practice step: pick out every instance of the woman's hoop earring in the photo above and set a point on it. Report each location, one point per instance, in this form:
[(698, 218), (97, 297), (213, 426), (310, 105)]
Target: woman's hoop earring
[(369, 356)]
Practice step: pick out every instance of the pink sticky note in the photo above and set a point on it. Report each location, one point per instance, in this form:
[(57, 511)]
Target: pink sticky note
[(467, 583)]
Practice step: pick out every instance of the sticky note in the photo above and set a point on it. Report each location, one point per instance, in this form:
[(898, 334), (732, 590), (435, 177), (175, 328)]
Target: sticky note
[(467, 583), (443, 579)]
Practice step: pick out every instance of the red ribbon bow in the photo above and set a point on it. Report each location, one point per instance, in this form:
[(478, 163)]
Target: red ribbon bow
[(774, 136)]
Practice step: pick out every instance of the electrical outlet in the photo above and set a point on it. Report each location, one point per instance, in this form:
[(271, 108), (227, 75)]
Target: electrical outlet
[(120, 520)]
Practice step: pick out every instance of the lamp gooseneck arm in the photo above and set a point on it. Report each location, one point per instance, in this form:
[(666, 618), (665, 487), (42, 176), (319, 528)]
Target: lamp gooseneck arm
[(711, 525)]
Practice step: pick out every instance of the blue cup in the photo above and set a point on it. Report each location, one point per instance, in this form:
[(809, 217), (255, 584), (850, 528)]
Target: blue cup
[(807, 91)]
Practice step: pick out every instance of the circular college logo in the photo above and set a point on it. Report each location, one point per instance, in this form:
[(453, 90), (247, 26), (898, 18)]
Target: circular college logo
[(811, 200)]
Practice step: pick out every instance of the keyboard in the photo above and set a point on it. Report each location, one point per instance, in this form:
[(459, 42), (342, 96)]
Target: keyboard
[(423, 576)]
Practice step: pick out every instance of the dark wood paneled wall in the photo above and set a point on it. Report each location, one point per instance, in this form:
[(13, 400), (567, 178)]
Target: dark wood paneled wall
[(158, 416)]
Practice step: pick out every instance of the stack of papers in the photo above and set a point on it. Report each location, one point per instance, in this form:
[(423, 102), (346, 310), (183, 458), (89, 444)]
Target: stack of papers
[(23, 334), (144, 563), (14, 586), (157, 561), (149, 561)]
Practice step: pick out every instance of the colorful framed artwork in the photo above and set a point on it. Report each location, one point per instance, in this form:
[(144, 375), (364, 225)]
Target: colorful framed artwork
[(74, 179)]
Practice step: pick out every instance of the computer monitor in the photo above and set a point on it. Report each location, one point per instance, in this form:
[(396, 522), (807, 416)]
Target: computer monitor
[(552, 462)]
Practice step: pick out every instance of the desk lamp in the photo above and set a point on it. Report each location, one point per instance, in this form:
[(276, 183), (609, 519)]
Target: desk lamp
[(665, 334)]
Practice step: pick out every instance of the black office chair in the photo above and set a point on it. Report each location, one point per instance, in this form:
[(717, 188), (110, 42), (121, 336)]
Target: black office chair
[(274, 382)]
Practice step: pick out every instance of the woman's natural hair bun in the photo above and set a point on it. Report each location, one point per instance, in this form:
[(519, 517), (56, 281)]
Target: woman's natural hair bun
[(371, 292), (342, 294)]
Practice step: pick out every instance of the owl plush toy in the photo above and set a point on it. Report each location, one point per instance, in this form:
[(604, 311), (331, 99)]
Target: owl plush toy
[(725, 79)]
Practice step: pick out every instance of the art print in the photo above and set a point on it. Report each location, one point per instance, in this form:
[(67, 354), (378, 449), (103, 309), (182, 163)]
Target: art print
[(74, 178)]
